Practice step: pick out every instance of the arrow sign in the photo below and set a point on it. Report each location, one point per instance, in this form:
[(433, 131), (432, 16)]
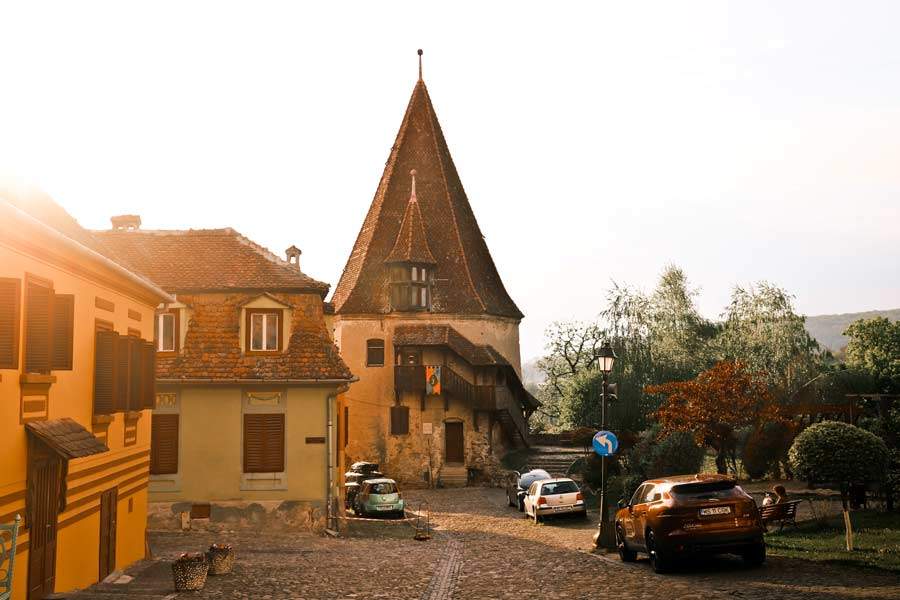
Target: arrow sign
[(605, 443)]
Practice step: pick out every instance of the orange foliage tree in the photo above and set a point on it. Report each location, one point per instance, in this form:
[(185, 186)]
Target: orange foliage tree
[(714, 404)]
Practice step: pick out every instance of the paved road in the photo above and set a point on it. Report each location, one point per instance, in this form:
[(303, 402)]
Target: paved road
[(481, 549)]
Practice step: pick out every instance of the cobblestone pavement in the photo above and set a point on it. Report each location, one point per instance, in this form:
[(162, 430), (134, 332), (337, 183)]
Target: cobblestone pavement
[(480, 549)]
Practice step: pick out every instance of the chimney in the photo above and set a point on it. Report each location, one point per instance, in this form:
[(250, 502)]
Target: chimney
[(293, 256), (126, 222)]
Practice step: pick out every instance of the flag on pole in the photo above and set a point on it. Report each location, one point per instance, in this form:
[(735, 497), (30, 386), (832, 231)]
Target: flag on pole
[(433, 380)]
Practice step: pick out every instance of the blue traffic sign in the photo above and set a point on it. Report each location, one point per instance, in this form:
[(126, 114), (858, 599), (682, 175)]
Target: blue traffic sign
[(605, 443)]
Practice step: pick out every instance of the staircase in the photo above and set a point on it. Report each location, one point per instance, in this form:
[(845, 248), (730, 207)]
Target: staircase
[(553, 459), (454, 475)]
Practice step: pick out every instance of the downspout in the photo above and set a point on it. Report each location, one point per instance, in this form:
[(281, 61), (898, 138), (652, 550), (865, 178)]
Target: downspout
[(331, 444)]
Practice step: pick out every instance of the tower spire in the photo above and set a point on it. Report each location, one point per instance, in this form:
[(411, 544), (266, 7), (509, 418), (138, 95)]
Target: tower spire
[(420, 64)]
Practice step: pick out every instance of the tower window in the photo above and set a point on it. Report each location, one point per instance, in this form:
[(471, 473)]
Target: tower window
[(410, 288)]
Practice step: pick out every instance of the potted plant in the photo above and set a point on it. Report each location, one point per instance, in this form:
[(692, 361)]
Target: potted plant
[(221, 559), (189, 571)]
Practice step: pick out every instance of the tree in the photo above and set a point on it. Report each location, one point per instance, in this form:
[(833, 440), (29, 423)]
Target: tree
[(835, 452), (874, 348), (762, 330), (571, 350), (714, 404)]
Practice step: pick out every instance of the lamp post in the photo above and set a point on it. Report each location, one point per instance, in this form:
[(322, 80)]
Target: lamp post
[(606, 358)]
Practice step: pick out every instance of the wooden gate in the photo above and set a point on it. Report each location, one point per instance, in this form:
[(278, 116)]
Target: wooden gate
[(453, 433), (45, 474), (108, 502)]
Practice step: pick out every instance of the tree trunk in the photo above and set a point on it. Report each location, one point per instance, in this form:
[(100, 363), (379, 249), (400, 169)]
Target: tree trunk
[(848, 526), (721, 461)]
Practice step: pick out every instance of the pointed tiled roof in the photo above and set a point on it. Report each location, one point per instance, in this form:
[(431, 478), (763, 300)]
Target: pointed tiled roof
[(466, 280), (411, 245)]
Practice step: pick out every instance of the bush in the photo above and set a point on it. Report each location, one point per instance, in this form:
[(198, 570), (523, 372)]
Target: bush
[(838, 452), (764, 448), (675, 454)]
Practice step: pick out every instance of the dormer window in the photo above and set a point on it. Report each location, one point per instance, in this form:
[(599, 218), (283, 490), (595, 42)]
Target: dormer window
[(167, 330), (263, 330), (410, 287)]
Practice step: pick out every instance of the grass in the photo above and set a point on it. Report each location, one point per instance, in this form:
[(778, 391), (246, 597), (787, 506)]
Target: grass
[(876, 541)]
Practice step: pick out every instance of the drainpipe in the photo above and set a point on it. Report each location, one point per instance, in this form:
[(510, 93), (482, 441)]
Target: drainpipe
[(331, 445)]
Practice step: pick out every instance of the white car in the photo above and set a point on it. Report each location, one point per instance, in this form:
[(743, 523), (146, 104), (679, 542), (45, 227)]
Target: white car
[(553, 497)]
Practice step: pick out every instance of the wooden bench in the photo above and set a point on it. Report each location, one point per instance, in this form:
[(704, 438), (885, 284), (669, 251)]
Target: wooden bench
[(783, 512), (8, 556)]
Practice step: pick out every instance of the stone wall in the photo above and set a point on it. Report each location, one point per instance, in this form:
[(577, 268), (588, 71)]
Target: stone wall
[(226, 516)]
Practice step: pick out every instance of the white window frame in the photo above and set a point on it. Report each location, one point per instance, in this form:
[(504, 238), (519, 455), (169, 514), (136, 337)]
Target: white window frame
[(160, 328), (267, 318)]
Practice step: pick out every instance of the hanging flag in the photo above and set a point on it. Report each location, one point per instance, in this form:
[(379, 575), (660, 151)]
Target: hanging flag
[(433, 380)]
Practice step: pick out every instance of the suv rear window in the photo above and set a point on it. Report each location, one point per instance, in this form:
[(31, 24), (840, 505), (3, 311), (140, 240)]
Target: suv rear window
[(559, 487), (714, 490)]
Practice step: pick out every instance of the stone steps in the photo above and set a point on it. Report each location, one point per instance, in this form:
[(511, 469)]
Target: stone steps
[(453, 476)]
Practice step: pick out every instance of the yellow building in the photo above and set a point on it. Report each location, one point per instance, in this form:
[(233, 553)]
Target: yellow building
[(247, 375), (422, 317), (75, 386)]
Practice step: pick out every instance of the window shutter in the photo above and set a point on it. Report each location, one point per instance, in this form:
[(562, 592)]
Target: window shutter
[(38, 327), (135, 374), (104, 372), (164, 444), (263, 443), (148, 364), (121, 374), (63, 331), (399, 420), (10, 294)]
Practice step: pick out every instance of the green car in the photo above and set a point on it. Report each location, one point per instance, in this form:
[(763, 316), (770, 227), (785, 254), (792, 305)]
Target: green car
[(379, 497)]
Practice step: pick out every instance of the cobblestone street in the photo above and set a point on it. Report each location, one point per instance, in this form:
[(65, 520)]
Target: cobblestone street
[(480, 549)]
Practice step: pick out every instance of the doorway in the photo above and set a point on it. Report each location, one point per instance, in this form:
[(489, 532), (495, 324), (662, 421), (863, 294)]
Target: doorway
[(45, 475), (453, 434), (108, 507)]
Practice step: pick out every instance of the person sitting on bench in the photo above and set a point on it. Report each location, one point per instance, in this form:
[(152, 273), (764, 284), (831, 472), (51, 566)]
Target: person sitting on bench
[(779, 497)]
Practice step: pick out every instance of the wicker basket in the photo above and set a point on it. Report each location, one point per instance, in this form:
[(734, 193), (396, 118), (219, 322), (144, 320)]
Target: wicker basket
[(221, 559), (189, 571)]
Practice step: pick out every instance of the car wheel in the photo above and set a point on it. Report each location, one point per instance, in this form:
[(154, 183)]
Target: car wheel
[(658, 559), (756, 555), (624, 553), (537, 518)]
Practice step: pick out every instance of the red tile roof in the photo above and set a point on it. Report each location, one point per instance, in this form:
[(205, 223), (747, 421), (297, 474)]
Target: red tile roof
[(212, 349), (411, 245), (206, 260), (467, 281)]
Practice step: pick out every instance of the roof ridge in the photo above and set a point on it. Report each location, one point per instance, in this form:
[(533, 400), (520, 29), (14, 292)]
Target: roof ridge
[(271, 256)]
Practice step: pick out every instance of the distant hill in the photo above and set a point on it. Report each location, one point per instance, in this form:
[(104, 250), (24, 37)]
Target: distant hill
[(828, 329)]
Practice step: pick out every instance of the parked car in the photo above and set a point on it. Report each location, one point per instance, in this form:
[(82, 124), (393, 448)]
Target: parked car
[(688, 514), (379, 497), (547, 497), (517, 484)]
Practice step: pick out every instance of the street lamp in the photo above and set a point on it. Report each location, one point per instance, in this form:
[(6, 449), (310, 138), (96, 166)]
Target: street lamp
[(606, 358)]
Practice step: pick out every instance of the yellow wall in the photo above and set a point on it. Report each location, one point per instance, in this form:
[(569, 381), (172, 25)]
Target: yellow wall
[(369, 400), (77, 559), (210, 462)]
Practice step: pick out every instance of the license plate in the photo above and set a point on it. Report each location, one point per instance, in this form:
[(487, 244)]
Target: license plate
[(384, 507), (715, 510)]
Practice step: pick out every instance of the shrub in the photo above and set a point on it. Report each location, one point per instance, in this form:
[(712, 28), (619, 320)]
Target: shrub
[(764, 448), (675, 454), (838, 452)]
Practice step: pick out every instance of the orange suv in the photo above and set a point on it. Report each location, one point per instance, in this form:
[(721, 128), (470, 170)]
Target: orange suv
[(689, 514)]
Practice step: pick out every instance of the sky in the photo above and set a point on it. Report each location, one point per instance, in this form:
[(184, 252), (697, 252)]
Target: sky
[(597, 142)]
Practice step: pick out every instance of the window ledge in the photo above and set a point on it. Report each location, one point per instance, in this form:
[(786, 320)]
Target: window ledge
[(102, 419), (133, 415), (32, 378)]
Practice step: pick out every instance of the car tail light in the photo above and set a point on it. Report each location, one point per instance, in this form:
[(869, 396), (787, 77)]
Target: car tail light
[(579, 496), (542, 501)]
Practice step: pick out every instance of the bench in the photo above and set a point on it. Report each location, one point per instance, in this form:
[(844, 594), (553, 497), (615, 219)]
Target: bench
[(8, 534), (782, 512)]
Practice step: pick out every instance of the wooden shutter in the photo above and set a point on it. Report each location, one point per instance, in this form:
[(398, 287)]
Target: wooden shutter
[(135, 374), (263, 443), (104, 372), (63, 331), (122, 357), (10, 308), (164, 444), (399, 420), (148, 364), (38, 326)]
